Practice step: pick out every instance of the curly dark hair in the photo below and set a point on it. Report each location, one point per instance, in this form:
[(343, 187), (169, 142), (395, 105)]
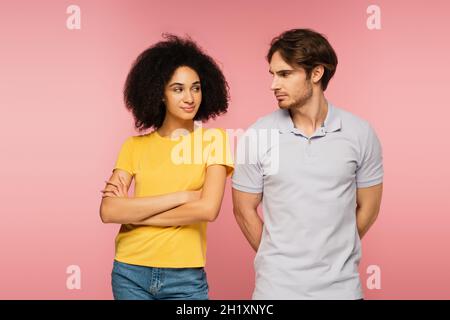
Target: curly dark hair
[(153, 69)]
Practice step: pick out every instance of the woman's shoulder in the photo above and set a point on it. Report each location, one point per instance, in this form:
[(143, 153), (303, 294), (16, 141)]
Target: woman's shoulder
[(138, 139)]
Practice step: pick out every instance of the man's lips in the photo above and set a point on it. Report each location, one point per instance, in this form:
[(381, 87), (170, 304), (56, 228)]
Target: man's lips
[(280, 96)]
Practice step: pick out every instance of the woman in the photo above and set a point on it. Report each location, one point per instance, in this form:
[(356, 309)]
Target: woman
[(179, 170)]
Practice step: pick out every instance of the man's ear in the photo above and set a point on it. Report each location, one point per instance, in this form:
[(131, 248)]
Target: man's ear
[(317, 74)]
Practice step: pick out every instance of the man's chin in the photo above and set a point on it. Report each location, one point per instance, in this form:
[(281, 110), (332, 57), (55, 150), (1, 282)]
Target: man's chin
[(282, 105)]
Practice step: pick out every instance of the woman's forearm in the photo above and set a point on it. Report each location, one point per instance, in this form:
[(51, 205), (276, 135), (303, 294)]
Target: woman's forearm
[(204, 209), (125, 210), (189, 213)]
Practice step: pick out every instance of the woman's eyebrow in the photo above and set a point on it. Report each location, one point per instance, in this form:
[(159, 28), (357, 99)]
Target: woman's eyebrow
[(176, 84), (182, 84)]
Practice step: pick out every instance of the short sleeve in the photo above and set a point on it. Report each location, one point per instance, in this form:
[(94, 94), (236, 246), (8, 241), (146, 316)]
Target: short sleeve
[(219, 149), (125, 159), (248, 173), (370, 168)]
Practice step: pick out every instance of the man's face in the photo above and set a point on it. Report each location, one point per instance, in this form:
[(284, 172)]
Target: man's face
[(291, 86)]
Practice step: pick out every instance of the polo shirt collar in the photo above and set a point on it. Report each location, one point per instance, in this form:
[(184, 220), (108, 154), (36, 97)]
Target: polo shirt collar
[(332, 121)]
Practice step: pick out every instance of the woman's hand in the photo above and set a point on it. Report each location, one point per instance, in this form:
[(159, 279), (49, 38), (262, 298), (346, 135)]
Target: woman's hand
[(119, 189), (113, 189)]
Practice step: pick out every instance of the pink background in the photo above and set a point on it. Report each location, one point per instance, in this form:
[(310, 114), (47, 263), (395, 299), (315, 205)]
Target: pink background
[(63, 120)]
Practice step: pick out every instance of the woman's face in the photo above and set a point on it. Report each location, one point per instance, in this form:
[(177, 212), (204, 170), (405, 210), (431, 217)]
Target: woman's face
[(183, 94)]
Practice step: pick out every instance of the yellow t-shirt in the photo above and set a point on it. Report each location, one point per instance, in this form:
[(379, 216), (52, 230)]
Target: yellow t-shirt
[(161, 165)]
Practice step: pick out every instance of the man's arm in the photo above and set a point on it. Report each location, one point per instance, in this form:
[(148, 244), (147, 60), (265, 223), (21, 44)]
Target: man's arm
[(245, 206), (116, 207), (206, 209), (368, 205)]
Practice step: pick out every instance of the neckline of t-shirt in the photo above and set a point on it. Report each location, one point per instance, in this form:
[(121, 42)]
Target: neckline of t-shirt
[(176, 139)]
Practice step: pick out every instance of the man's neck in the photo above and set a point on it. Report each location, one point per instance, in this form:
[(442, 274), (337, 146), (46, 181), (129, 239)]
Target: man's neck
[(310, 115)]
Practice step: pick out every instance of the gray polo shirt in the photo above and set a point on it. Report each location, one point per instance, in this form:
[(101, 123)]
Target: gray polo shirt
[(310, 247)]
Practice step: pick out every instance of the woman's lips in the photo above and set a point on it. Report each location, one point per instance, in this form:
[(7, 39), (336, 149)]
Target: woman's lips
[(188, 109)]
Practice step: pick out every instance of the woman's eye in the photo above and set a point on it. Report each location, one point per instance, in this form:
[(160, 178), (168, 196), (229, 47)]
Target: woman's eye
[(177, 89), (196, 89)]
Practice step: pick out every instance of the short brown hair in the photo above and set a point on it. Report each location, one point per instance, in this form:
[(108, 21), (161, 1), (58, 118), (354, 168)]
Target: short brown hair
[(307, 49)]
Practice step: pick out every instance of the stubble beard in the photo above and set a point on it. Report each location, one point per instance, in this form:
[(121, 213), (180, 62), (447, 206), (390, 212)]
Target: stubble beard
[(302, 100)]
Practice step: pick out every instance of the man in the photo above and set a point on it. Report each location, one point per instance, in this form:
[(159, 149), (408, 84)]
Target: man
[(326, 190)]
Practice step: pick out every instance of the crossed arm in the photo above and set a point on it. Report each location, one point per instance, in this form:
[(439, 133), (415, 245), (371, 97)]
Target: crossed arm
[(174, 209)]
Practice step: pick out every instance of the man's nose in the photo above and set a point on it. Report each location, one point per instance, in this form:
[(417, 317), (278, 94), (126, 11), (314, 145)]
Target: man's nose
[(275, 84)]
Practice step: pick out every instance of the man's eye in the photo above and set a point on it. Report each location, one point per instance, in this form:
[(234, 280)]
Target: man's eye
[(284, 74)]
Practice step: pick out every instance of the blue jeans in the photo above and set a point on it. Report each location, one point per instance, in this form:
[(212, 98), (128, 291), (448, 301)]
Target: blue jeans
[(132, 282)]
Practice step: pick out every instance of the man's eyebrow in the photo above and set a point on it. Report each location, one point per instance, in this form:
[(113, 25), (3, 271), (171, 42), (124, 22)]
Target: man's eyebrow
[(281, 71)]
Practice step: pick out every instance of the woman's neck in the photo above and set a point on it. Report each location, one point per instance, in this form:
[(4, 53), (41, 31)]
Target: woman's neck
[(171, 124)]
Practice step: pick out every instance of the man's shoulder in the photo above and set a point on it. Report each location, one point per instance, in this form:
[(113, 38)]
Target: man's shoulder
[(351, 121)]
